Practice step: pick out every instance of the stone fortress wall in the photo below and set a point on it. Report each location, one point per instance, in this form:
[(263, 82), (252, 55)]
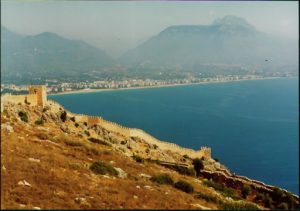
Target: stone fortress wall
[(134, 132), (38, 97)]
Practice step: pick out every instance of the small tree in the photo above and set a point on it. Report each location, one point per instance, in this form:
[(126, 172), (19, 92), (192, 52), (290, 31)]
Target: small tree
[(23, 116), (39, 122), (63, 116), (198, 166), (246, 190), (184, 186)]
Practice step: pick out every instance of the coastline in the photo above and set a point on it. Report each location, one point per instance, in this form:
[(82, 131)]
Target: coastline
[(158, 86)]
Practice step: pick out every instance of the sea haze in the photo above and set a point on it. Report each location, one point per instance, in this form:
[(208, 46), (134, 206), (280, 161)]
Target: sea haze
[(251, 126)]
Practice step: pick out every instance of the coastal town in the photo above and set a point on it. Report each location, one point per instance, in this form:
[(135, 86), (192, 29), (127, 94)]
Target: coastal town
[(55, 86)]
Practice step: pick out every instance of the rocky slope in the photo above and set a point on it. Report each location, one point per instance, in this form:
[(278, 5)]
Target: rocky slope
[(49, 161)]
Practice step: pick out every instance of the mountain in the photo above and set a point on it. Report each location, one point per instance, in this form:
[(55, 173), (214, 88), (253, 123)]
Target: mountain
[(48, 54), (230, 40)]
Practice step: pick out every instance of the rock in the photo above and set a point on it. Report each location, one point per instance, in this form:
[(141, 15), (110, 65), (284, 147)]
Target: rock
[(135, 197), (34, 160), (122, 174), (3, 168), (200, 206), (148, 187), (105, 176), (166, 193), (8, 128), (65, 129), (146, 176), (22, 205), (82, 202), (36, 208), (111, 162), (138, 187), (24, 183)]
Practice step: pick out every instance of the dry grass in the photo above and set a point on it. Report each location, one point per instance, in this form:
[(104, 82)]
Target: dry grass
[(63, 174)]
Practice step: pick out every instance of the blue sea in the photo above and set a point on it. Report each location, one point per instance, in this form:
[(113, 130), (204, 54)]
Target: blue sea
[(251, 126)]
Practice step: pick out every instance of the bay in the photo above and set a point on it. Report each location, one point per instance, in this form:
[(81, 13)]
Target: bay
[(251, 126)]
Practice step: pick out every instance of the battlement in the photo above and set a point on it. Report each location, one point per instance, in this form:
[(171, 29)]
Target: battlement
[(134, 132), (37, 96)]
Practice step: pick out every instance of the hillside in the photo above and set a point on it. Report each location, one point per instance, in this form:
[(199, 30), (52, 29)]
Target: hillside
[(47, 55), (49, 162), (227, 41)]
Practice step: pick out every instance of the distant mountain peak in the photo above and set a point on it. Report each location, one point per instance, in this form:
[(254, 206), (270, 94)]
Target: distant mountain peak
[(231, 20)]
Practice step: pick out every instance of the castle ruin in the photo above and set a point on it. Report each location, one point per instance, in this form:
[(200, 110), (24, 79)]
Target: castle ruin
[(37, 96)]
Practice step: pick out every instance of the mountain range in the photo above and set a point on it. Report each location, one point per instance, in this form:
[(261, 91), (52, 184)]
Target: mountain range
[(230, 40), (227, 41), (48, 54)]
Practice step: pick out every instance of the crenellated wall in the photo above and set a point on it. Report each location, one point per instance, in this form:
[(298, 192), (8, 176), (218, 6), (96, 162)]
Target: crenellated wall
[(134, 132), (31, 99), (37, 97)]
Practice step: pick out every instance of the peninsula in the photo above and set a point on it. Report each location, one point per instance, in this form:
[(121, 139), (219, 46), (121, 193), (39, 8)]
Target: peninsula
[(112, 167)]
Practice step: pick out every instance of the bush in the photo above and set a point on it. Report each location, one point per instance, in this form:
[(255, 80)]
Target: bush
[(98, 141), (87, 133), (162, 179), (268, 201), (238, 205), (76, 124), (72, 119), (184, 186), (138, 158), (103, 168), (23, 116), (217, 160), (63, 116), (186, 157), (42, 136), (246, 190), (39, 122), (283, 206), (208, 197), (222, 188), (198, 166), (181, 169)]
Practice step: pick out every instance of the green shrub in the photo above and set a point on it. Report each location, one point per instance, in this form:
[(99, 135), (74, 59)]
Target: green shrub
[(39, 122), (217, 160), (76, 124), (72, 119), (208, 197), (268, 201), (63, 116), (42, 136), (230, 192), (238, 205), (198, 166), (103, 168), (138, 158), (186, 157), (98, 141), (74, 143), (184, 186), (182, 170), (23, 116), (162, 179), (87, 133), (246, 190), (283, 206)]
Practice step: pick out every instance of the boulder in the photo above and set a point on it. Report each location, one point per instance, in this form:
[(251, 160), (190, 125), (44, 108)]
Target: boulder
[(122, 174)]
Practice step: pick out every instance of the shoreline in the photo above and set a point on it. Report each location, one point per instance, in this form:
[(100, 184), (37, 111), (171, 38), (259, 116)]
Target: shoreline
[(158, 86)]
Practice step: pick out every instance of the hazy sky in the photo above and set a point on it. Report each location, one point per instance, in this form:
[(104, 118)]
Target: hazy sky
[(120, 25)]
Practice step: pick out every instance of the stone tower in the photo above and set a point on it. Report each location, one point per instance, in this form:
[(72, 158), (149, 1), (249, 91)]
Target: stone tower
[(40, 92)]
